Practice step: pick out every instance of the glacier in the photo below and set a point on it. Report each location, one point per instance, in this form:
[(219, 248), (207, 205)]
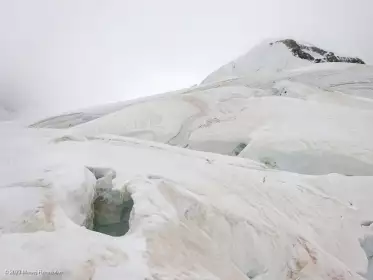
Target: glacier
[(263, 171)]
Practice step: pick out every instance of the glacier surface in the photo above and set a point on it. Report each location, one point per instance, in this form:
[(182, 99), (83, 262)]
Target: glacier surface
[(264, 171)]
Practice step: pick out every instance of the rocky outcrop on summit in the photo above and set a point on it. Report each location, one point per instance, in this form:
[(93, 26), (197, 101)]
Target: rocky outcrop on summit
[(303, 51)]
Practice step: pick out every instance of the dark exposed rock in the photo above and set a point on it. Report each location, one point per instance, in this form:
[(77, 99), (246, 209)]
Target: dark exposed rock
[(291, 44), (300, 50), (239, 149), (315, 49)]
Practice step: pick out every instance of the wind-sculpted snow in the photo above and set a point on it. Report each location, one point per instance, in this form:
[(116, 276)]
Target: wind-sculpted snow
[(264, 172)]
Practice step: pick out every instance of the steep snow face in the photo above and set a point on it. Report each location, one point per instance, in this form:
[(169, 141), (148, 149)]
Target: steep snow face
[(264, 172), (264, 58)]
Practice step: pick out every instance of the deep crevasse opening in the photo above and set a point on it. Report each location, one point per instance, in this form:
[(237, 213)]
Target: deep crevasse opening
[(111, 208)]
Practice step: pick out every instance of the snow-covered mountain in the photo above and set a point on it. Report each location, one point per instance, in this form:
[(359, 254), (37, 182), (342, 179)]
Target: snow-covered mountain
[(278, 56), (263, 171), (263, 116)]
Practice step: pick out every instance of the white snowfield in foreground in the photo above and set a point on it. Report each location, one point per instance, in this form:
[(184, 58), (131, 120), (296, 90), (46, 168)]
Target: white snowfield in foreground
[(263, 175)]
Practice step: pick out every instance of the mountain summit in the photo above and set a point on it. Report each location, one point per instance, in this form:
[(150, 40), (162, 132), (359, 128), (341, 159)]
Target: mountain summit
[(277, 56)]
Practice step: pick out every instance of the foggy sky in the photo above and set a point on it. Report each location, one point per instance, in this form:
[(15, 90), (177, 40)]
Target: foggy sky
[(57, 55)]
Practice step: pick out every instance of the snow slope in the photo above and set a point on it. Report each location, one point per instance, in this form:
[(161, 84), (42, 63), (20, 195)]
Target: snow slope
[(289, 120), (261, 175)]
